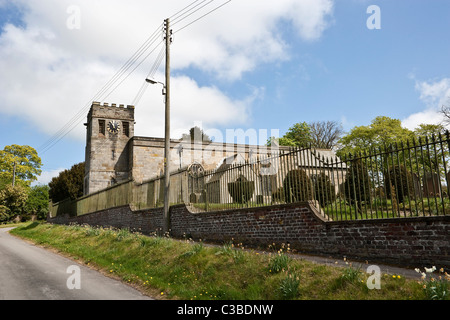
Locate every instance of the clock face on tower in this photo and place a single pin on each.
(113, 127)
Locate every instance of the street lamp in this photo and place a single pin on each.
(166, 220)
(156, 82)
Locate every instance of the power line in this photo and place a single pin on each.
(117, 79)
(208, 13)
(174, 15)
(134, 69)
(108, 85)
(150, 75)
(70, 125)
(187, 14)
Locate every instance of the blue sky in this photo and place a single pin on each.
(288, 61)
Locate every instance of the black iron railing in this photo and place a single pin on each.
(400, 180)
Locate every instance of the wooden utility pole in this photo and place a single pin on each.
(166, 217)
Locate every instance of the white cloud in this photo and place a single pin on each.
(46, 176)
(434, 94)
(428, 116)
(191, 104)
(50, 72)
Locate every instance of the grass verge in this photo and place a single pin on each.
(166, 268)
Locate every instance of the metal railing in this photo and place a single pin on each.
(146, 195)
(400, 180)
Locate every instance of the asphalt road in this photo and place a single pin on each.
(28, 272)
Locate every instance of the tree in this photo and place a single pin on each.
(434, 156)
(68, 184)
(27, 163)
(429, 130)
(325, 134)
(12, 200)
(320, 134)
(38, 200)
(196, 134)
(381, 132)
(299, 135)
(445, 111)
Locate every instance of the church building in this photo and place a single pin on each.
(114, 154)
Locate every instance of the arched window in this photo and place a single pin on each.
(196, 178)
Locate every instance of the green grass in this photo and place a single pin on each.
(383, 208)
(165, 268)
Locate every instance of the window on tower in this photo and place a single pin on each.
(126, 129)
(102, 127)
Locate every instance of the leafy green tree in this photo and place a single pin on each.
(68, 184)
(28, 165)
(381, 132)
(12, 200)
(433, 156)
(429, 130)
(4, 214)
(299, 135)
(320, 134)
(38, 200)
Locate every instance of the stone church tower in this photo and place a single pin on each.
(109, 131)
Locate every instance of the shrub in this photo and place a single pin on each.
(278, 195)
(241, 190)
(297, 186)
(324, 190)
(356, 186)
(401, 181)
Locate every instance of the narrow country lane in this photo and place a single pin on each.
(28, 272)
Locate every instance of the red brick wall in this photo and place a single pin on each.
(412, 242)
(146, 222)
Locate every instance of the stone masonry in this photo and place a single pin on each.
(112, 158)
(106, 155)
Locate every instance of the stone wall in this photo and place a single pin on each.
(412, 242)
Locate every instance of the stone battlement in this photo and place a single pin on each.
(113, 105)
